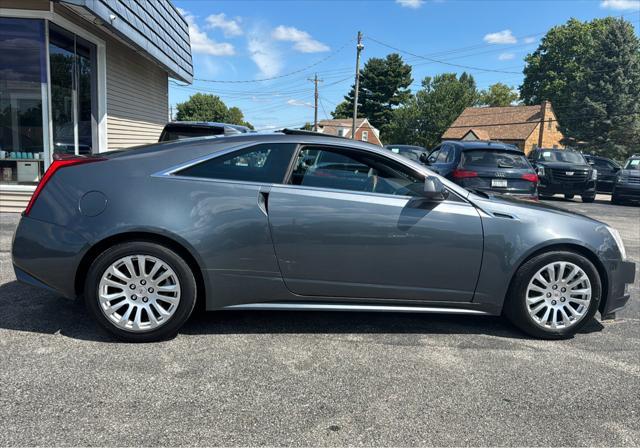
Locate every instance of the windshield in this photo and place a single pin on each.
(562, 156)
(494, 159)
(632, 164)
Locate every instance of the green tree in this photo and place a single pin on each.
(590, 71)
(425, 117)
(498, 94)
(208, 107)
(384, 85)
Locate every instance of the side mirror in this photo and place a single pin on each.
(423, 158)
(434, 189)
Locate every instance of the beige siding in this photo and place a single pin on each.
(14, 202)
(137, 98)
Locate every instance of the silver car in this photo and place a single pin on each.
(300, 221)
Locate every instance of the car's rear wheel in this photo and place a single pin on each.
(140, 291)
(588, 199)
(568, 196)
(553, 295)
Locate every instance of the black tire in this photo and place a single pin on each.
(616, 200)
(182, 270)
(515, 307)
(568, 196)
(588, 199)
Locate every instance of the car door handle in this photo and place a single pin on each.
(263, 202)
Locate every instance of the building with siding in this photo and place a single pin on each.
(80, 77)
(527, 127)
(365, 131)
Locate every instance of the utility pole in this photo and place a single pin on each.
(359, 48)
(315, 81)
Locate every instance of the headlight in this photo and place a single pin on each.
(594, 174)
(618, 239)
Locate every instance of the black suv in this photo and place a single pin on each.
(607, 172)
(564, 171)
(485, 165)
(178, 130)
(627, 187)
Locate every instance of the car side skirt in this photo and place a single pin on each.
(354, 307)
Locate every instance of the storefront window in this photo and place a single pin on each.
(22, 83)
(72, 92)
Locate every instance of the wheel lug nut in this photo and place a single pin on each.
(143, 282)
(563, 289)
(555, 286)
(134, 297)
(150, 290)
(548, 294)
(145, 299)
(132, 286)
(562, 299)
(553, 302)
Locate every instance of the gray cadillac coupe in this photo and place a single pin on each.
(300, 221)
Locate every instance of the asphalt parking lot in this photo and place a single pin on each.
(285, 378)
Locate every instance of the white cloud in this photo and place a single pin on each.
(501, 37)
(413, 4)
(201, 43)
(620, 4)
(229, 27)
(506, 56)
(302, 40)
(529, 40)
(265, 56)
(293, 102)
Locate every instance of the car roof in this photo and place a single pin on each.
(484, 144)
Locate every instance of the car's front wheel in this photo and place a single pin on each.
(553, 295)
(140, 291)
(588, 199)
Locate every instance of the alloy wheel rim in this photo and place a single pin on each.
(558, 295)
(139, 293)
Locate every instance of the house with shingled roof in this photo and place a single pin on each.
(527, 127)
(341, 127)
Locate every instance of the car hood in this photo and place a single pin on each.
(503, 204)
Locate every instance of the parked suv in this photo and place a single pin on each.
(564, 171)
(178, 130)
(485, 165)
(627, 186)
(607, 172)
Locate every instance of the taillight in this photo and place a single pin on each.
(58, 163)
(463, 174)
(530, 177)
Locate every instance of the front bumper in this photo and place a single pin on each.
(627, 191)
(621, 273)
(47, 255)
(580, 188)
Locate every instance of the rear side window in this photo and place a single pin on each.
(266, 163)
(493, 159)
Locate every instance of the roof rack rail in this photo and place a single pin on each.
(288, 131)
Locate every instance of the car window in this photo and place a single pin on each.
(493, 159)
(182, 133)
(260, 163)
(632, 164)
(354, 170)
(561, 156)
(443, 156)
(434, 155)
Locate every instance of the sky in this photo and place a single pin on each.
(260, 55)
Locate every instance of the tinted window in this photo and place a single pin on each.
(261, 163)
(561, 156)
(493, 159)
(434, 155)
(632, 164)
(355, 171)
(443, 155)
